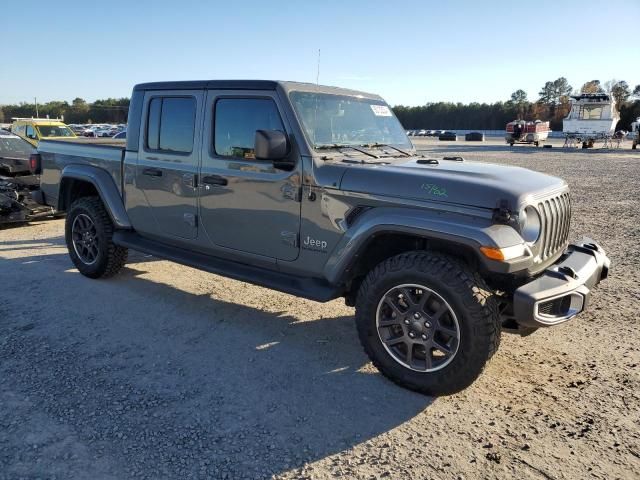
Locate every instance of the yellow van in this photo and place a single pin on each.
(35, 129)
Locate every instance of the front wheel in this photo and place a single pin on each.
(427, 322)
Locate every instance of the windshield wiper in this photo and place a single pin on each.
(378, 145)
(337, 145)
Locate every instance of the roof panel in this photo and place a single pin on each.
(250, 85)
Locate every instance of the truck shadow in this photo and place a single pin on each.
(242, 387)
(25, 249)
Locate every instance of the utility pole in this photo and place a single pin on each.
(36, 102)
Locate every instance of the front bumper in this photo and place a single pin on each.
(563, 290)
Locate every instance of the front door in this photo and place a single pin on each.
(166, 172)
(247, 205)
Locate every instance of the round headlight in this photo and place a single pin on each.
(530, 224)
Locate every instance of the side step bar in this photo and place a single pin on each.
(310, 288)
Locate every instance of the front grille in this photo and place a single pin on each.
(555, 214)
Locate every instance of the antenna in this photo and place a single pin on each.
(315, 112)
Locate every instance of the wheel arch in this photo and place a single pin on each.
(79, 181)
(384, 235)
(390, 243)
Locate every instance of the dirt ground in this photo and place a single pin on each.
(169, 372)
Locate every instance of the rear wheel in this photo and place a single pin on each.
(88, 233)
(427, 322)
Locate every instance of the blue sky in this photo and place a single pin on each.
(410, 52)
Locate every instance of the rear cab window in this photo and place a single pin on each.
(236, 121)
(171, 124)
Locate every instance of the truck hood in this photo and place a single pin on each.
(477, 184)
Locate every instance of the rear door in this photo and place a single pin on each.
(168, 158)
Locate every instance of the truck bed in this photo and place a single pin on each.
(56, 155)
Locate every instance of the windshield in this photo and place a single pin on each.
(14, 147)
(347, 120)
(55, 131)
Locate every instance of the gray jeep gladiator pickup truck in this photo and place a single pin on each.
(317, 192)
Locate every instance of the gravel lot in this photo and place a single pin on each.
(168, 372)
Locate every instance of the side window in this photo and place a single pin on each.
(31, 132)
(171, 124)
(236, 122)
(153, 123)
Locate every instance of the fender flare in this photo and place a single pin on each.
(464, 230)
(104, 185)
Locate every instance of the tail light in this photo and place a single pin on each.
(35, 164)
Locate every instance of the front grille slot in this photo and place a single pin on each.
(555, 214)
(556, 307)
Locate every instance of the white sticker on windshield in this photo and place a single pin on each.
(381, 110)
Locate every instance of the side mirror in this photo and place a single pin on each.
(272, 145)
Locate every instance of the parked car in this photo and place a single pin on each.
(438, 256)
(120, 135)
(98, 131)
(14, 154)
(17, 181)
(89, 131)
(35, 129)
(104, 132)
(474, 137)
(448, 136)
(77, 129)
(421, 133)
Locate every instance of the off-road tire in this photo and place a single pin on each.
(468, 296)
(111, 258)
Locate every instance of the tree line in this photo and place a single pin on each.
(110, 110)
(553, 105)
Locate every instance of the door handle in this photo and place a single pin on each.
(152, 172)
(189, 179)
(214, 180)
